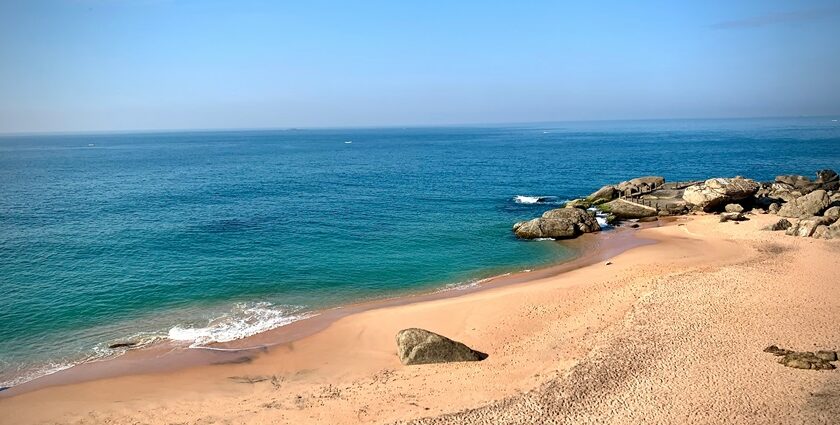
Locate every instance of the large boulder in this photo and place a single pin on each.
(715, 193)
(832, 213)
(559, 223)
(604, 194)
(734, 208)
(806, 205)
(806, 227)
(624, 209)
(419, 346)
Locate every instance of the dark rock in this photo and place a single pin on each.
(419, 346)
(123, 344)
(732, 216)
(773, 208)
(828, 180)
(635, 225)
(800, 184)
(782, 224)
(806, 206)
(715, 193)
(584, 221)
(648, 219)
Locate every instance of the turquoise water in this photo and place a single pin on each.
(203, 236)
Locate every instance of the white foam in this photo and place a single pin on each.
(243, 321)
(520, 199)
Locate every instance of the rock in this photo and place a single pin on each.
(806, 226)
(776, 351)
(608, 263)
(782, 224)
(583, 220)
(624, 209)
(832, 213)
(801, 184)
(805, 360)
(604, 194)
(834, 200)
(648, 219)
(419, 346)
(734, 208)
(122, 345)
(806, 205)
(559, 223)
(732, 216)
(773, 208)
(826, 355)
(640, 185)
(714, 193)
(635, 225)
(828, 180)
(827, 231)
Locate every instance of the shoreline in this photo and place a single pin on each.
(618, 343)
(169, 356)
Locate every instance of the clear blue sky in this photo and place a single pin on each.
(77, 65)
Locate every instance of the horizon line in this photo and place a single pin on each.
(371, 127)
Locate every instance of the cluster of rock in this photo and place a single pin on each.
(813, 360)
(814, 205)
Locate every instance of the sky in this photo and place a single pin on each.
(121, 65)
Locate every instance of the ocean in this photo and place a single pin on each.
(215, 235)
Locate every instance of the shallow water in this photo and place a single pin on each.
(211, 236)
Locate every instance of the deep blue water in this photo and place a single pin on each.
(215, 235)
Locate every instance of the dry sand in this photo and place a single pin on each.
(668, 333)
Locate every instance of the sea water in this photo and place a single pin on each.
(212, 236)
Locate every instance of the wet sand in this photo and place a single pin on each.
(668, 333)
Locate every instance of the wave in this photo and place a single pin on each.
(528, 200)
(246, 319)
(243, 320)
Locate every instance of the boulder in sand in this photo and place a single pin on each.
(782, 224)
(732, 216)
(713, 194)
(806, 205)
(419, 346)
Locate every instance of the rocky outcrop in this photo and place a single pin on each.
(806, 205)
(624, 209)
(559, 223)
(419, 346)
(832, 213)
(713, 194)
(640, 185)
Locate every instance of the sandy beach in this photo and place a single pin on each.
(670, 332)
